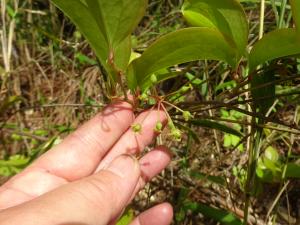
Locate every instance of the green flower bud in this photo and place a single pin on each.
(187, 115)
(144, 97)
(152, 101)
(136, 128)
(77, 35)
(176, 134)
(153, 79)
(158, 127)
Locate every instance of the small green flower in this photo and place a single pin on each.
(136, 128)
(152, 101)
(158, 127)
(187, 115)
(144, 97)
(176, 134)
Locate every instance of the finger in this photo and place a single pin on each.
(158, 215)
(133, 142)
(93, 200)
(151, 165)
(80, 153)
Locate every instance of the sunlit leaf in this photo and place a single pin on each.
(272, 154)
(117, 18)
(80, 15)
(82, 18)
(276, 44)
(122, 54)
(227, 16)
(179, 47)
(13, 165)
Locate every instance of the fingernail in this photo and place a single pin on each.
(124, 165)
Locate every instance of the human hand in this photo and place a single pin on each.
(90, 178)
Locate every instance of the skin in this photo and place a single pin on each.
(91, 176)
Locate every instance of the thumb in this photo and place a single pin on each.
(97, 199)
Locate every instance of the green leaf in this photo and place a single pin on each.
(265, 175)
(227, 140)
(263, 90)
(216, 126)
(13, 165)
(83, 59)
(82, 18)
(15, 161)
(270, 165)
(122, 54)
(126, 218)
(296, 14)
(276, 44)
(181, 46)
(117, 18)
(201, 176)
(80, 15)
(293, 170)
(227, 16)
(271, 154)
(219, 215)
(161, 75)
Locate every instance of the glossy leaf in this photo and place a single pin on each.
(276, 44)
(216, 126)
(117, 18)
(79, 14)
(227, 16)
(122, 54)
(296, 14)
(181, 46)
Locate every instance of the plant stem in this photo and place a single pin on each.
(262, 19)
(275, 11)
(282, 13)
(250, 183)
